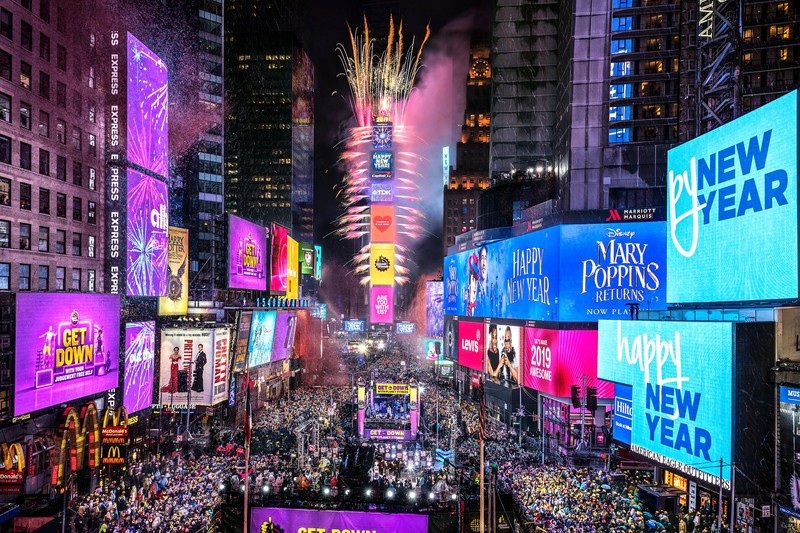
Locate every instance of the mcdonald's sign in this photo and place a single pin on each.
(115, 426)
(76, 435)
(12, 475)
(114, 455)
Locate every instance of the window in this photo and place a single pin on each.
(620, 23)
(783, 54)
(5, 107)
(77, 209)
(25, 115)
(653, 21)
(620, 68)
(25, 196)
(619, 135)
(61, 131)
(90, 247)
(781, 31)
(92, 179)
(91, 212)
(44, 46)
(5, 192)
(61, 58)
(24, 277)
(621, 112)
(5, 149)
(44, 201)
(5, 65)
(782, 9)
(90, 280)
(5, 275)
(77, 102)
(25, 155)
(5, 234)
(619, 4)
(25, 75)
(747, 35)
(92, 112)
(92, 144)
(61, 168)
(91, 77)
(26, 35)
(76, 279)
(621, 46)
(77, 141)
(44, 275)
(61, 241)
(61, 205)
(44, 123)
(61, 273)
(44, 85)
(44, 162)
(44, 10)
(76, 244)
(24, 236)
(6, 24)
(44, 239)
(653, 67)
(61, 94)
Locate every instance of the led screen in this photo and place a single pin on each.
(306, 258)
(515, 278)
(318, 262)
(242, 341)
(176, 302)
(67, 347)
(381, 264)
(262, 335)
(557, 359)
(732, 210)
(191, 362)
(381, 192)
(382, 224)
(789, 442)
(147, 109)
(247, 255)
(285, 327)
(450, 339)
(404, 328)
(353, 326)
(292, 266)
(433, 349)
(623, 413)
(306, 521)
(503, 352)
(279, 247)
(470, 344)
(140, 341)
(222, 348)
(381, 304)
(382, 136)
(147, 235)
(680, 374)
(382, 165)
(606, 266)
(434, 310)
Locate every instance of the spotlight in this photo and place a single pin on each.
(265, 488)
(539, 169)
(368, 493)
(431, 496)
(390, 494)
(222, 486)
(242, 487)
(549, 168)
(454, 496)
(347, 492)
(326, 491)
(412, 495)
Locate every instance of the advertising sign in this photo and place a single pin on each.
(730, 193)
(392, 388)
(503, 352)
(318, 262)
(381, 305)
(279, 260)
(381, 192)
(517, 278)
(381, 264)
(262, 336)
(353, 326)
(623, 414)
(404, 328)
(306, 258)
(140, 342)
(187, 367)
(285, 327)
(114, 454)
(176, 302)
(680, 374)
(606, 266)
(789, 443)
(147, 235)
(247, 261)
(434, 310)
(303, 521)
(382, 165)
(433, 349)
(67, 347)
(470, 344)
(382, 223)
(450, 339)
(222, 350)
(387, 434)
(242, 341)
(382, 136)
(292, 266)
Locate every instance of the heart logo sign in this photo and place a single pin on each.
(382, 223)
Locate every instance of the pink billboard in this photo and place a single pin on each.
(381, 304)
(279, 254)
(470, 344)
(557, 359)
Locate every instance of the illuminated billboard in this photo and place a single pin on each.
(381, 304)
(147, 235)
(194, 366)
(67, 347)
(382, 223)
(450, 339)
(382, 136)
(279, 258)
(247, 255)
(382, 165)
(503, 352)
(433, 349)
(381, 264)
(302, 521)
(242, 340)
(283, 340)
(681, 379)
(606, 266)
(307, 259)
(470, 344)
(262, 336)
(140, 342)
(292, 266)
(318, 262)
(404, 328)
(354, 326)
(434, 310)
(732, 210)
(176, 302)
(381, 192)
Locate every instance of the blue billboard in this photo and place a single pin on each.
(354, 326)
(262, 335)
(515, 278)
(732, 210)
(604, 267)
(681, 380)
(623, 413)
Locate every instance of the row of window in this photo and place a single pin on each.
(26, 162)
(44, 278)
(25, 239)
(43, 125)
(26, 202)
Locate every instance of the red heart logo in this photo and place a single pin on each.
(382, 223)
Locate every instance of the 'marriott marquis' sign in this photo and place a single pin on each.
(732, 210)
(680, 374)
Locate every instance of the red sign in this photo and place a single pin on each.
(476, 380)
(382, 223)
(11, 477)
(115, 434)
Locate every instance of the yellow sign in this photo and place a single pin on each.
(292, 266)
(177, 300)
(381, 264)
(391, 388)
(114, 455)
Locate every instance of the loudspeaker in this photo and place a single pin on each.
(591, 398)
(576, 396)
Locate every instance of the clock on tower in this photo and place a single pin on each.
(479, 68)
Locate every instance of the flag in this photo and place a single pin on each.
(483, 413)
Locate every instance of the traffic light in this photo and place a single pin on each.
(576, 396)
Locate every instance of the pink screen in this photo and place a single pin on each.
(381, 305)
(470, 345)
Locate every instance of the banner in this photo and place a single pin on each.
(266, 519)
(292, 266)
(190, 365)
(382, 223)
(391, 388)
(278, 260)
(176, 302)
(381, 305)
(470, 344)
(222, 350)
(247, 255)
(381, 264)
(503, 352)
(285, 327)
(318, 262)
(307, 259)
(387, 434)
(140, 341)
(433, 349)
(242, 341)
(262, 335)
(450, 339)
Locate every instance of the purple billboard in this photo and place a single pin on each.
(285, 327)
(247, 263)
(147, 235)
(140, 339)
(279, 255)
(147, 108)
(434, 309)
(305, 521)
(67, 347)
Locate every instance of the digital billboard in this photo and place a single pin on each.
(470, 344)
(193, 362)
(307, 521)
(140, 342)
(382, 225)
(382, 136)
(279, 260)
(503, 352)
(450, 339)
(307, 258)
(790, 442)
(222, 350)
(242, 340)
(381, 264)
(434, 310)
(292, 266)
(433, 349)
(604, 267)
(681, 379)
(353, 326)
(285, 328)
(516, 278)
(381, 192)
(404, 328)
(382, 165)
(176, 302)
(554, 360)
(247, 255)
(147, 109)
(381, 304)
(262, 336)
(623, 414)
(732, 210)
(147, 235)
(67, 347)
(318, 262)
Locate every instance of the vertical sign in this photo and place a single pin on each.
(176, 302)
